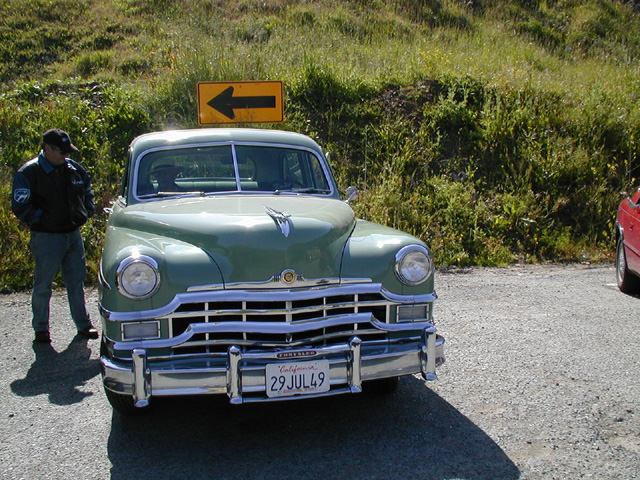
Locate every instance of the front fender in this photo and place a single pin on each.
(371, 253)
(180, 266)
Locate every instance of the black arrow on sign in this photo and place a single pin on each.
(225, 103)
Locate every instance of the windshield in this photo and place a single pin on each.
(229, 168)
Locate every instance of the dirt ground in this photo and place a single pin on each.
(541, 382)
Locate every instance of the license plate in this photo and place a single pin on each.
(297, 378)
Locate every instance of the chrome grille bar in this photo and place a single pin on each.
(207, 323)
(289, 311)
(267, 309)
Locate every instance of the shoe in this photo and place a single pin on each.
(89, 332)
(43, 337)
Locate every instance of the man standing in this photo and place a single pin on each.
(52, 195)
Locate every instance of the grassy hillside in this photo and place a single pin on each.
(497, 131)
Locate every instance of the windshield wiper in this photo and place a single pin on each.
(170, 194)
(310, 190)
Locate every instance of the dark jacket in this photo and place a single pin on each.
(52, 199)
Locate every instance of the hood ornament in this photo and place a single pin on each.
(281, 218)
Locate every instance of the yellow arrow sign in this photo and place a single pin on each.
(240, 102)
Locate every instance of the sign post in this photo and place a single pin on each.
(240, 102)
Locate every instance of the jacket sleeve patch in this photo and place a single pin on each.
(21, 195)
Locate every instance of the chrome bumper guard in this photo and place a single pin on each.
(242, 376)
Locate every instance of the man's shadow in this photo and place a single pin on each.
(59, 374)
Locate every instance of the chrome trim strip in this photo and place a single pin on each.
(273, 328)
(263, 295)
(234, 380)
(354, 367)
(241, 374)
(428, 356)
(350, 281)
(397, 298)
(101, 278)
(141, 378)
(276, 279)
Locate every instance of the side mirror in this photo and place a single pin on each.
(109, 210)
(352, 193)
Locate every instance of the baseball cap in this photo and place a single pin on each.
(60, 139)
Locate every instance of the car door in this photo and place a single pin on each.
(632, 232)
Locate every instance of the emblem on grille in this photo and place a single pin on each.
(288, 276)
(302, 354)
(281, 218)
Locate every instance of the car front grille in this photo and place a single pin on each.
(305, 313)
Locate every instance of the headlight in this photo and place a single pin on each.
(414, 265)
(138, 277)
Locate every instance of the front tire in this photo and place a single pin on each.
(627, 281)
(120, 402)
(123, 404)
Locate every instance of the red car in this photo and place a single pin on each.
(628, 244)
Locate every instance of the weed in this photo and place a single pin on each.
(495, 131)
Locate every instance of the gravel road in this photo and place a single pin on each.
(541, 382)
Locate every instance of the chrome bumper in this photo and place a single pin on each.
(241, 375)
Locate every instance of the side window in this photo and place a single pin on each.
(305, 170)
(293, 169)
(318, 177)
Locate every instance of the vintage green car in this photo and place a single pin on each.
(232, 266)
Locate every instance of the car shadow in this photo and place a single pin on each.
(410, 434)
(59, 374)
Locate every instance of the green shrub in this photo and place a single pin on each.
(496, 132)
(100, 119)
(92, 62)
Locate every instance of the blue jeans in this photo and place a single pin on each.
(53, 252)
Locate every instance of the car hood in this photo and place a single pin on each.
(252, 238)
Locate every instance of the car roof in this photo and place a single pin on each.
(215, 135)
